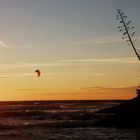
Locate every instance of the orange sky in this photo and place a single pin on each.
(75, 44)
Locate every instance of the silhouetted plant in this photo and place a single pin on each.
(127, 30)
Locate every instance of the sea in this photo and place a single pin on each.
(59, 120)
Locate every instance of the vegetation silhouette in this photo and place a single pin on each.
(127, 114)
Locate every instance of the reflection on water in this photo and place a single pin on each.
(58, 120)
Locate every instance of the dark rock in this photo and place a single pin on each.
(127, 114)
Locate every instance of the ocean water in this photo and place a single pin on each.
(64, 120)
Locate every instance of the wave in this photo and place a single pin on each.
(50, 114)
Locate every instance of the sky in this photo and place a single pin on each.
(74, 43)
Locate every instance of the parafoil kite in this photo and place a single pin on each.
(38, 72)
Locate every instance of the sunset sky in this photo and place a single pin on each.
(75, 44)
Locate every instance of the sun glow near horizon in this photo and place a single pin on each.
(71, 82)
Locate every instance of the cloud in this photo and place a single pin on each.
(129, 60)
(108, 89)
(89, 88)
(110, 60)
(99, 40)
(16, 75)
(26, 46)
(30, 89)
(3, 44)
(111, 91)
(115, 93)
(23, 75)
(23, 65)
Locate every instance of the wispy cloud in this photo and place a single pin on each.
(111, 60)
(22, 75)
(129, 60)
(30, 89)
(23, 65)
(3, 44)
(118, 92)
(99, 40)
(108, 88)
(109, 92)
(16, 75)
(26, 46)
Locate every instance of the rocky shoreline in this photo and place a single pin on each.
(127, 114)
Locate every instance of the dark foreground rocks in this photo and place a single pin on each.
(127, 114)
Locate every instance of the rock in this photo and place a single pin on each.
(127, 114)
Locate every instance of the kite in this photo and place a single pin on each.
(38, 73)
